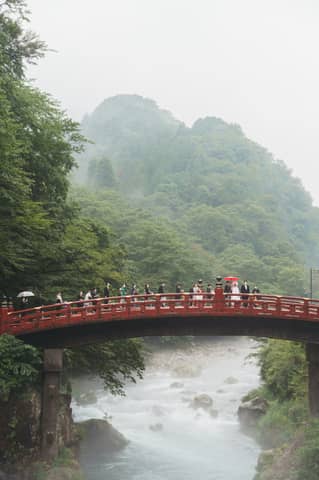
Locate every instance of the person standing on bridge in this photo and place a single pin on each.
(227, 291)
(80, 296)
(107, 292)
(94, 293)
(197, 291)
(246, 290)
(227, 287)
(147, 289)
(178, 289)
(191, 291)
(88, 296)
(161, 289)
(234, 293)
(209, 291)
(134, 291)
(59, 298)
(255, 290)
(123, 292)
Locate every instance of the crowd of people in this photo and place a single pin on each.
(231, 290)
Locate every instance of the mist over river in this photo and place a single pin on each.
(170, 440)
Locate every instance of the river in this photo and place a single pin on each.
(170, 440)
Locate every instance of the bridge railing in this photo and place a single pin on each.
(155, 306)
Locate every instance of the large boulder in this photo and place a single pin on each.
(203, 401)
(156, 427)
(99, 436)
(250, 411)
(231, 380)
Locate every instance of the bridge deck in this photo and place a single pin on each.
(57, 316)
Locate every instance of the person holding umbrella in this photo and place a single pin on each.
(227, 291)
(234, 293)
(24, 298)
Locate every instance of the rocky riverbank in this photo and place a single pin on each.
(20, 439)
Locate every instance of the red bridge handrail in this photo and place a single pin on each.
(18, 322)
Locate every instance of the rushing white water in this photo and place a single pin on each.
(170, 440)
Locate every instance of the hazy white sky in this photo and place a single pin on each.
(251, 62)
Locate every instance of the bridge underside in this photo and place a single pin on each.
(97, 332)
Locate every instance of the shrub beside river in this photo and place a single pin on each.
(276, 414)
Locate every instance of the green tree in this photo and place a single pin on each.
(17, 46)
(36, 149)
(44, 243)
(20, 366)
(101, 174)
(115, 362)
(283, 369)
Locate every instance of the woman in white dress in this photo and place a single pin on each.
(235, 293)
(198, 294)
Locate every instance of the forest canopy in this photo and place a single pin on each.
(222, 200)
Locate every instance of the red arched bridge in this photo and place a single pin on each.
(83, 322)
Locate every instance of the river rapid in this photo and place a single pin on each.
(170, 440)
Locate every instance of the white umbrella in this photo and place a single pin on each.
(25, 294)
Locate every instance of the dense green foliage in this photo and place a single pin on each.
(287, 424)
(284, 375)
(283, 369)
(20, 366)
(101, 174)
(37, 143)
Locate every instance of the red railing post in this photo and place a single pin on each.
(4, 310)
(278, 304)
(128, 306)
(68, 312)
(219, 297)
(158, 303)
(306, 307)
(98, 309)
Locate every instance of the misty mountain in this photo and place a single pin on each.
(223, 191)
(127, 128)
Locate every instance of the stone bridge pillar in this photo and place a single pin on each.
(52, 369)
(312, 351)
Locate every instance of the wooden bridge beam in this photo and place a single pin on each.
(52, 370)
(312, 351)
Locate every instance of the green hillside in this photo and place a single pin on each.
(222, 194)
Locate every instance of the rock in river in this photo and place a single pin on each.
(203, 401)
(251, 411)
(99, 437)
